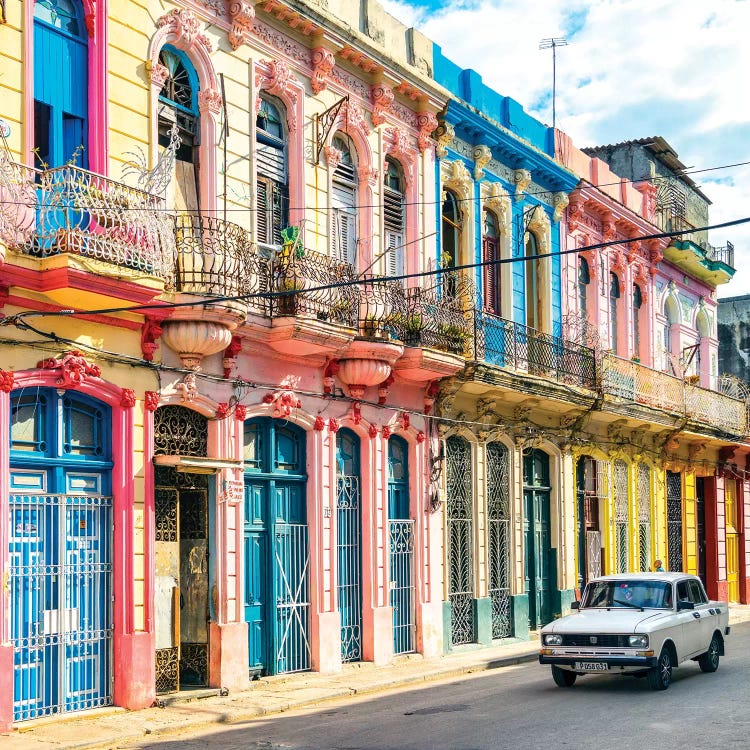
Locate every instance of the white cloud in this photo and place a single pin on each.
(632, 69)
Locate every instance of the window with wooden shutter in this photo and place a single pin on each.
(394, 219)
(343, 205)
(272, 190)
(271, 200)
(491, 269)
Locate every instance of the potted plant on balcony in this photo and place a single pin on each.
(289, 274)
(453, 337)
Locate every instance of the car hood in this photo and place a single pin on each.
(605, 621)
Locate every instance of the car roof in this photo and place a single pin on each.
(645, 577)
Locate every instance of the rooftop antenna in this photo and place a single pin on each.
(553, 43)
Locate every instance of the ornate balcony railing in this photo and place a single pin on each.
(71, 210)
(634, 382)
(723, 254)
(415, 316)
(507, 344)
(214, 257)
(310, 283)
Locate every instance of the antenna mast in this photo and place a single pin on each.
(553, 44)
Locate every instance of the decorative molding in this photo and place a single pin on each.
(560, 202)
(333, 157)
(397, 145)
(210, 100)
(354, 118)
(609, 228)
(7, 379)
(427, 124)
(188, 388)
(319, 424)
(275, 77)
(127, 400)
(496, 199)
(242, 14)
(151, 400)
(381, 95)
(222, 410)
(540, 225)
(74, 369)
(185, 27)
(282, 43)
(89, 16)
(443, 135)
(217, 6)
(372, 431)
(158, 73)
(333, 425)
(521, 179)
(283, 403)
(230, 355)
(240, 412)
(456, 175)
(482, 155)
(323, 63)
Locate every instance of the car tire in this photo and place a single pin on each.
(709, 662)
(563, 677)
(660, 676)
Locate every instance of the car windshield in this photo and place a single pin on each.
(628, 594)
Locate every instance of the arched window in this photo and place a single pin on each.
(637, 304)
(272, 181)
(343, 203)
(671, 316)
(614, 295)
(491, 254)
(533, 301)
(178, 112)
(584, 279)
(450, 237)
(60, 82)
(394, 218)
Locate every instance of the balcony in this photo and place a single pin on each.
(69, 211)
(516, 347)
(630, 381)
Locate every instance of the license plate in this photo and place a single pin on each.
(591, 666)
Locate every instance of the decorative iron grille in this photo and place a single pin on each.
(216, 257)
(349, 519)
(180, 432)
(674, 520)
(402, 595)
(621, 515)
(460, 539)
(593, 554)
(167, 670)
(644, 517)
(498, 515)
(194, 663)
(508, 344)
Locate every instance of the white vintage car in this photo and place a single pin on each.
(643, 624)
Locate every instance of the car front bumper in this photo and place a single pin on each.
(633, 663)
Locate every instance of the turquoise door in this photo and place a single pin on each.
(348, 546)
(401, 546)
(276, 550)
(539, 564)
(60, 553)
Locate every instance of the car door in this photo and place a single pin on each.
(707, 619)
(690, 623)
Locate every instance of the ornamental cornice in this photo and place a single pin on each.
(242, 14)
(185, 27)
(282, 43)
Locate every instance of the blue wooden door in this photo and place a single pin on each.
(348, 546)
(401, 547)
(276, 551)
(60, 81)
(60, 554)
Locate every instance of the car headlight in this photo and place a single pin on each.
(552, 639)
(638, 641)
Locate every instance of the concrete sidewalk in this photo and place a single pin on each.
(115, 727)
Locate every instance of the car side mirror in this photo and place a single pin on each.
(575, 605)
(685, 604)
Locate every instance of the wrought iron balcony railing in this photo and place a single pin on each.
(723, 254)
(517, 347)
(71, 210)
(214, 257)
(632, 381)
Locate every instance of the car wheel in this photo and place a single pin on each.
(563, 677)
(661, 675)
(709, 662)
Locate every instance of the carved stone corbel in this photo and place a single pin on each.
(443, 135)
(521, 179)
(323, 63)
(242, 14)
(381, 95)
(482, 155)
(560, 202)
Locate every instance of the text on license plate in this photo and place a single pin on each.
(591, 666)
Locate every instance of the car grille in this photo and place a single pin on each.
(604, 641)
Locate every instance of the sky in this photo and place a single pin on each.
(631, 69)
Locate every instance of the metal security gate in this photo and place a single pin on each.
(498, 516)
(349, 552)
(292, 565)
(674, 521)
(401, 543)
(460, 539)
(401, 547)
(592, 487)
(644, 518)
(621, 516)
(61, 602)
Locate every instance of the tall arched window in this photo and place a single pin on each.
(614, 295)
(584, 279)
(637, 304)
(178, 108)
(671, 316)
(60, 82)
(394, 218)
(533, 300)
(450, 236)
(491, 254)
(343, 204)
(272, 189)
